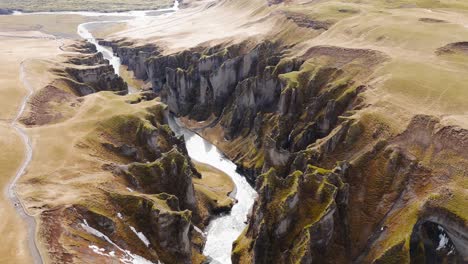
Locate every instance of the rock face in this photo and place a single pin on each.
(200, 83)
(170, 174)
(148, 211)
(90, 73)
(94, 79)
(140, 202)
(334, 185)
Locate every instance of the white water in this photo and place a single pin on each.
(84, 32)
(107, 53)
(224, 230)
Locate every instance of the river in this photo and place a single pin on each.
(223, 230)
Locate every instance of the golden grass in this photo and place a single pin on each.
(12, 227)
(214, 185)
(15, 49)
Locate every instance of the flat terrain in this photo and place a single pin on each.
(15, 49)
(71, 5)
(14, 230)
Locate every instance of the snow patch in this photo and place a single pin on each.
(141, 236)
(127, 256)
(199, 230)
(443, 239)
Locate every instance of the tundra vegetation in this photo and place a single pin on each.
(348, 117)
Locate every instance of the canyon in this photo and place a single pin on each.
(248, 131)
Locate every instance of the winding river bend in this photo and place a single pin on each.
(223, 230)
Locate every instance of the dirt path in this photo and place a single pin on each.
(12, 194)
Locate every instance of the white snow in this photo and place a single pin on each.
(141, 236)
(443, 239)
(199, 230)
(127, 256)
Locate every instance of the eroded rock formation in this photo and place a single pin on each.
(141, 203)
(333, 186)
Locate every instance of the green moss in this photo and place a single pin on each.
(282, 66)
(221, 53)
(241, 248)
(148, 173)
(301, 247)
(318, 169)
(291, 79)
(347, 94)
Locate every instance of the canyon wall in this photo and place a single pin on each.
(335, 183)
(115, 182)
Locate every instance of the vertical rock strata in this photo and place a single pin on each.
(336, 184)
(122, 188)
(151, 194)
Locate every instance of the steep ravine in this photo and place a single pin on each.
(335, 183)
(223, 230)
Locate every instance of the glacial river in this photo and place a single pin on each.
(223, 230)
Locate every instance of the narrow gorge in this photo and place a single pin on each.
(243, 131)
(297, 128)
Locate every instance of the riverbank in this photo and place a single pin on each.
(54, 137)
(223, 230)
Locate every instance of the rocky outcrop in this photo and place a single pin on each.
(87, 80)
(303, 21)
(170, 174)
(145, 205)
(452, 48)
(333, 186)
(439, 236)
(200, 82)
(293, 219)
(89, 72)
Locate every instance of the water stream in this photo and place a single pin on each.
(223, 230)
